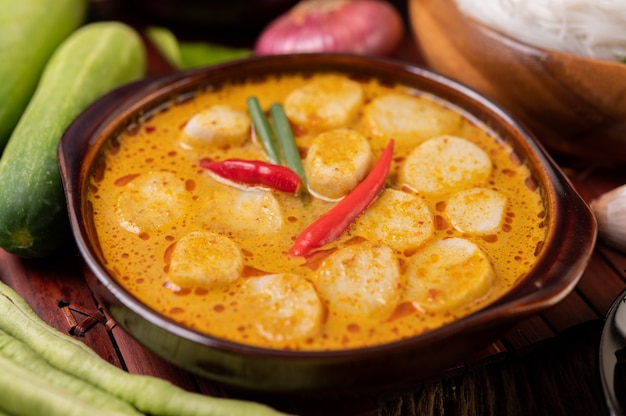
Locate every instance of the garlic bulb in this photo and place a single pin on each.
(610, 212)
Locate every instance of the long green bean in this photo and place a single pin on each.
(25, 393)
(148, 394)
(24, 357)
(20, 310)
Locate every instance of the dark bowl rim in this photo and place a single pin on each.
(503, 311)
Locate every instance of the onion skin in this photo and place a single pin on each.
(366, 27)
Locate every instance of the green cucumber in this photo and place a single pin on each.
(94, 60)
(30, 31)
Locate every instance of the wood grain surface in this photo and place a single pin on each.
(545, 365)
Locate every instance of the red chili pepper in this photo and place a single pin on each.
(255, 172)
(336, 221)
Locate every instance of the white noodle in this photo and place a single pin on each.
(591, 28)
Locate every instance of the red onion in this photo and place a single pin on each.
(368, 27)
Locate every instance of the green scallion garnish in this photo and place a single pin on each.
(286, 141)
(263, 129)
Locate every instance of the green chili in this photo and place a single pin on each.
(263, 129)
(286, 141)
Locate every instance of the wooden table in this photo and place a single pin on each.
(545, 365)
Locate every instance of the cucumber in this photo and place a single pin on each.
(30, 31)
(94, 60)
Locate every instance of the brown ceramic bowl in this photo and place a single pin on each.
(575, 106)
(569, 244)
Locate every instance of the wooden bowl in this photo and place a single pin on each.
(575, 106)
(564, 255)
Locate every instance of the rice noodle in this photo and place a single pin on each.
(591, 28)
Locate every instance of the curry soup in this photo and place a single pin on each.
(457, 223)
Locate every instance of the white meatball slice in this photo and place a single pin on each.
(218, 125)
(408, 118)
(337, 161)
(398, 219)
(448, 274)
(150, 201)
(255, 212)
(476, 210)
(243, 212)
(324, 103)
(361, 279)
(283, 307)
(205, 259)
(445, 164)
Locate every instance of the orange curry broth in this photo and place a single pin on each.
(139, 261)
